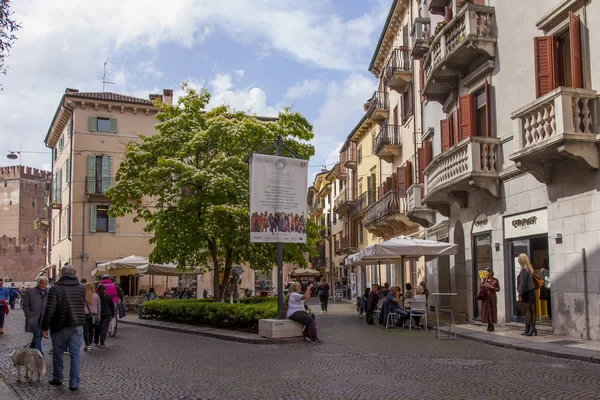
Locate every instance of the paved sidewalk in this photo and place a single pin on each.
(223, 334)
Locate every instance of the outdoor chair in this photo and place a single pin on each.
(417, 309)
(392, 318)
(378, 311)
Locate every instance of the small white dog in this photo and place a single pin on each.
(32, 360)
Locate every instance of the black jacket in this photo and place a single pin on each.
(524, 282)
(65, 305)
(107, 306)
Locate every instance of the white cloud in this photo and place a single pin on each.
(303, 89)
(239, 74)
(221, 83)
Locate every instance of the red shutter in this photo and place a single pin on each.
(456, 130)
(445, 134)
(467, 114)
(401, 176)
(448, 13)
(394, 181)
(422, 164)
(488, 110)
(544, 50)
(389, 183)
(576, 65)
(428, 152)
(408, 171)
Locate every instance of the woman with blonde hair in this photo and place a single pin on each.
(91, 309)
(526, 290)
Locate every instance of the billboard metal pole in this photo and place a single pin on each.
(280, 254)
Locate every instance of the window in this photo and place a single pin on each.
(102, 124)
(68, 172)
(100, 220)
(33, 204)
(54, 153)
(359, 155)
(61, 143)
(563, 50)
(360, 233)
(452, 130)
(373, 141)
(98, 174)
(481, 113)
(407, 103)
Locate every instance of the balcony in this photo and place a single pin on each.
(360, 205)
(416, 210)
(470, 164)
(342, 173)
(559, 126)
(439, 6)
(346, 245)
(388, 142)
(342, 204)
(350, 156)
(468, 37)
(387, 217)
(420, 33)
(56, 200)
(97, 186)
(398, 70)
(325, 190)
(378, 107)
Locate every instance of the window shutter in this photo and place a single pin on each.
(93, 124)
(544, 50)
(369, 189)
(105, 173)
(576, 65)
(408, 175)
(445, 134)
(405, 36)
(111, 224)
(428, 151)
(69, 220)
(54, 195)
(68, 174)
(488, 110)
(113, 125)
(59, 183)
(93, 216)
(402, 183)
(466, 114)
(456, 130)
(91, 174)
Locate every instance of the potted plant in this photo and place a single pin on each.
(461, 3)
(440, 25)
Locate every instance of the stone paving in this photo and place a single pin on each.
(356, 362)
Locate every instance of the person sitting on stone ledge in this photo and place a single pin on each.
(296, 310)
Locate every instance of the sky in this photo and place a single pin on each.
(253, 55)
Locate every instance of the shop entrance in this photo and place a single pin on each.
(536, 247)
(482, 259)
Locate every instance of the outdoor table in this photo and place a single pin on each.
(451, 334)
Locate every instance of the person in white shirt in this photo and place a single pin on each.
(297, 312)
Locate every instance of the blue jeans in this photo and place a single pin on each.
(67, 338)
(36, 340)
(404, 315)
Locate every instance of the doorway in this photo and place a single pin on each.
(536, 248)
(482, 259)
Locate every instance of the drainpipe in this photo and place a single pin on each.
(71, 179)
(82, 233)
(586, 313)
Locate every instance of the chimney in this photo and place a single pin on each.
(69, 91)
(153, 97)
(168, 96)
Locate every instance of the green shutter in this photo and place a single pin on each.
(105, 173)
(54, 153)
(93, 124)
(69, 220)
(113, 125)
(61, 143)
(91, 174)
(68, 175)
(59, 182)
(111, 224)
(93, 215)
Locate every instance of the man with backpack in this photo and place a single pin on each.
(13, 293)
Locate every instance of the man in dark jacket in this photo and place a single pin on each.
(34, 305)
(372, 303)
(64, 316)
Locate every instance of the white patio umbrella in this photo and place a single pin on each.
(163, 270)
(120, 267)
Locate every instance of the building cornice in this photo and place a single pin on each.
(386, 39)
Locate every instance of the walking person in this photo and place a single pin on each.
(107, 313)
(64, 318)
(526, 290)
(489, 304)
(92, 315)
(34, 305)
(4, 300)
(323, 293)
(13, 294)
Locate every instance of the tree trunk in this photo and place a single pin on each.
(226, 273)
(212, 245)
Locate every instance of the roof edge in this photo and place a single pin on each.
(382, 36)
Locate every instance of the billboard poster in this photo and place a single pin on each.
(278, 208)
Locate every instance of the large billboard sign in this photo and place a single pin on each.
(278, 199)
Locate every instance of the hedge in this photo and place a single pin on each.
(209, 312)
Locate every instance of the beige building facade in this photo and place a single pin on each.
(88, 136)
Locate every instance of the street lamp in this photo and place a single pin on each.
(12, 156)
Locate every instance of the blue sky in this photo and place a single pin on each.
(255, 55)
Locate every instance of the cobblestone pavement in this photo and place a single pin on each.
(356, 362)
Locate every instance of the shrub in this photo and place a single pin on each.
(208, 312)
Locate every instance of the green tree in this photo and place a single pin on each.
(8, 27)
(189, 183)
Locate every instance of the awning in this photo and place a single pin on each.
(44, 270)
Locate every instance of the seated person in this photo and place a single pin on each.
(393, 300)
(296, 310)
(408, 294)
(420, 296)
(372, 301)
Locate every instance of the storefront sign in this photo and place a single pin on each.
(353, 285)
(337, 294)
(278, 199)
(526, 224)
(481, 224)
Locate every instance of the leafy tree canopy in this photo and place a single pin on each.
(189, 183)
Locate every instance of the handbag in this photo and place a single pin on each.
(95, 318)
(538, 281)
(482, 293)
(544, 293)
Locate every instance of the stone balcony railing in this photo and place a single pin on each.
(420, 33)
(472, 163)
(387, 216)
(415, 209)
(463, 40)
(563, 124)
